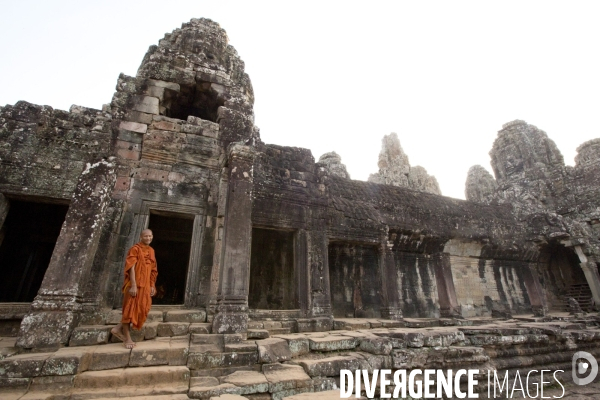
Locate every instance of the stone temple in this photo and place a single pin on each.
(264, 254)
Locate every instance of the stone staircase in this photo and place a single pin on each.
(580, 292)
(177, 357)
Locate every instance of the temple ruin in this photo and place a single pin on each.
(253, 237)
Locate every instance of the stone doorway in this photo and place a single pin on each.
(27, 240)
(172, 243)
(355, 281)
(272, 273)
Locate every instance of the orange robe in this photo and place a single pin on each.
(136, 309)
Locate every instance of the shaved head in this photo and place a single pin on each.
(146, 236)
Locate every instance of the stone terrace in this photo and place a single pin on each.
(177, 357)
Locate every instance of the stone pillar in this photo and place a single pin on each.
(218, 250)
(56, 309)
(318, 261)
(389, 283)
(234, 274)
(449, 307)
(302, 271)
(534, 291)
(4, 207)
(590, 269)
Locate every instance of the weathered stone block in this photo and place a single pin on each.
(133, 126)
(173, 328)
(298, 344)
(332, 343)
(24, 365)
(201, 328)
(376, 345)
(258, 334)
(241, 347)
(410, 358)
(191, 129)
(60, 383)
(140, 377)
(15, 383)
(330, 366)
(249, 382)
(145, 104)
(273, 350)
(208, 392)
(150, 330)
(68, 361)
(109, 356)
(219, 360)
(214, 339)
(191, 316)
(89, 335)
(163, 84)
(155, 352)
(285, 377)
(139, 117)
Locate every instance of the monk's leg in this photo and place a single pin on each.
(128, 342)
(118, 331)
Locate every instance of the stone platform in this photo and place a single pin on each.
(186, 361)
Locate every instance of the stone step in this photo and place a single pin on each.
(123, 382)
(277, 381)
(279, 331)
(90, 335)
(191, 316)
(297, 342)
(325, 395)
(53, 395)
(332, 343)
(114, 317)
(330, 366)
(258, 334)
(204, 360)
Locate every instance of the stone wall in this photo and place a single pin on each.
(44, 151)
(559, 204)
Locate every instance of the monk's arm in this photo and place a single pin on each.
(153, 276)
(133, 287)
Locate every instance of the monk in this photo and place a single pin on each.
(138, 288)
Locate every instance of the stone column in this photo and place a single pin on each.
(391, 299)
(4, 207)
(302, 271)
(449, 307)
(318, 261)
(234, 274)
(590, 269)
(218, 250)
(56, 309)
(534, 291)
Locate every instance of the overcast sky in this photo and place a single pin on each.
(339, 75)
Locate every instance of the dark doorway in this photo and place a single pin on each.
(172, 242)
(30, 234)
(272, 279)
(355, 281)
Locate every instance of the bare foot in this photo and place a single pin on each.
(118, 333)
(129, 344)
